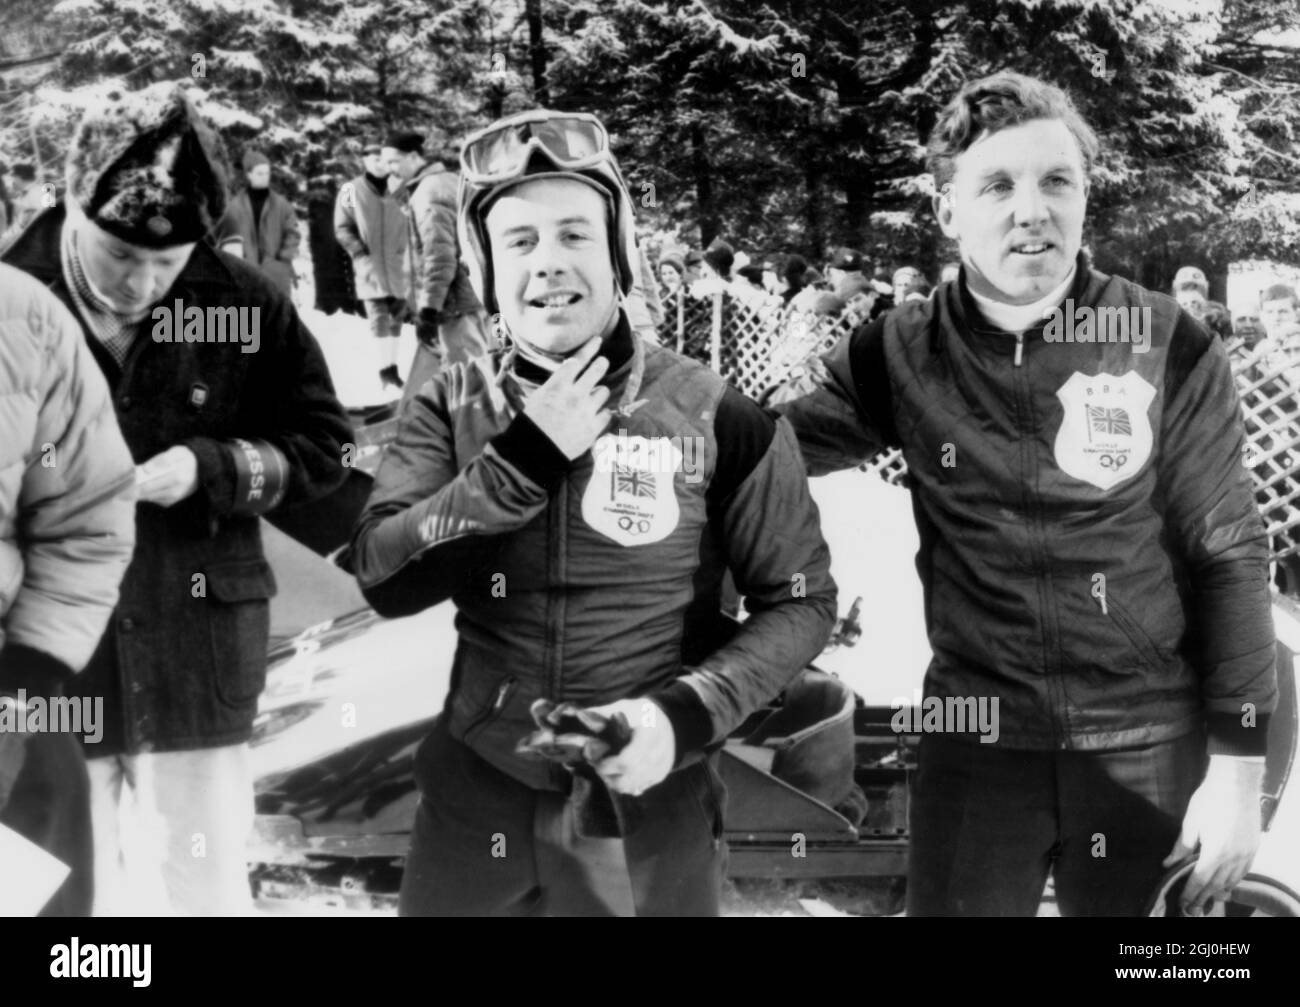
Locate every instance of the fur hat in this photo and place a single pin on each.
(148, 169)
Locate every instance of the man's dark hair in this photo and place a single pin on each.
(1278, 292)
(999, 102)
(721, 256)
(793, 273)
(406, 142)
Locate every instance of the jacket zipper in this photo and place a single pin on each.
(556, 515)
(1029, 494)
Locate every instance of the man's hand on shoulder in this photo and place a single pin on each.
(1223, 821)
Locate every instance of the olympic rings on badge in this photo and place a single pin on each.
(1114, 461)
(627, 524)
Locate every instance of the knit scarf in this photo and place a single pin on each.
(114, 330)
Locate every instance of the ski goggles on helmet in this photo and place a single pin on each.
(500, 153)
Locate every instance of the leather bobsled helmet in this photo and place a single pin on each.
(534, 145)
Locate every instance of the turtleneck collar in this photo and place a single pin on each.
(1020, 317)
(534, 366)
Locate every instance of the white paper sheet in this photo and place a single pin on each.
(29, 876)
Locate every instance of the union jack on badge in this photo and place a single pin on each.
(1105, 436)
(631, 497)
(1109, 421)
(633, 482)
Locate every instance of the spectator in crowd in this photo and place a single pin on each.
(672, 270)
(747, 288)
(67, 526)
(370, 224)
(1190, 277)
(773, 268)
(793, 278)
(828, 304)
(916, 289)
(1216, 319)
(1118, 612)
(226, 428)
(845, 272)
(331, 267)
(718, 260)
(751, 277)
(499, 474)
(863, 301)
(814, 285)
(1191, 299)
(450, 325)
(901, 279)
(694, 265)
(264, 224)
(1277, 310)
(1248, 327)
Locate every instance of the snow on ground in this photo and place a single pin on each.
(353, 357)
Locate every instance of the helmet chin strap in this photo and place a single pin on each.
(547, 360)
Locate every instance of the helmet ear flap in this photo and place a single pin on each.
(473, 245)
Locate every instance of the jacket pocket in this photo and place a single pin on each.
(239, 626)
(1151, 655)
(500, 697)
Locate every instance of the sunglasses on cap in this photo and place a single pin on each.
(573, 140)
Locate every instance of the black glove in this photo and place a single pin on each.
(577, 739)
(430, 316)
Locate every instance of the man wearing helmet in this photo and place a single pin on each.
(578, 496)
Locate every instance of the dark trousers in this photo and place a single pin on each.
(50, 806)
(486, 845)
(988, 823)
